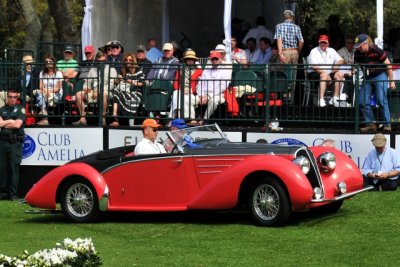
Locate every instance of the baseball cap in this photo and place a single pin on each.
(89, 49)
(216, 54)
(361, 38)
(167, 46)
(69, 48)
(179, 123)
(140, 48)
(150, 123)
(379, 140)
(288, 12)
(323, 38)
(220, 47)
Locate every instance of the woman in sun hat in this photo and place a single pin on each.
(186, 79)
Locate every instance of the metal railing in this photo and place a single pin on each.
(253, 97)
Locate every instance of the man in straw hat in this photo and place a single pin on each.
(149, 144)
(29, 79)
(382, 165)
(186, 79)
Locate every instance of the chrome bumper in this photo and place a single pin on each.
(344, 196)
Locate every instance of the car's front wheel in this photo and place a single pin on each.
(269, 203)
(79, 201)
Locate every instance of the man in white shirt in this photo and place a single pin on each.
(327, 71)
(149, 144)
(212, 84)
(252, 52)
(259, 31)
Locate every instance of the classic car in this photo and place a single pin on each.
(202, 170)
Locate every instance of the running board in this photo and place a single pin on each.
(42, 211)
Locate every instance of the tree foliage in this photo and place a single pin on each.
(26, 22)
(356, 16)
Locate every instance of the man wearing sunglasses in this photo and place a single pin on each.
(12, 118)
(149, 144)
(115, 54)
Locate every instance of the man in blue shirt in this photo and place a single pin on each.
(382, 165)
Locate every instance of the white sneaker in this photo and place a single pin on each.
(322, 103)
(334, 101)
(342, 97)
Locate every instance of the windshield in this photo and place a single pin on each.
(194, 137)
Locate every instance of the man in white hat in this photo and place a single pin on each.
(382, 165)
(164, 68)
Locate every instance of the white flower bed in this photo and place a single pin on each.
(79, 252)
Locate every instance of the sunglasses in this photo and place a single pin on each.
(154, 130)
(12, 97)
(48, 61)
(114, 46)
(214, 59)
(68, 52)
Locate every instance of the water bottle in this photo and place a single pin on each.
(151, 115)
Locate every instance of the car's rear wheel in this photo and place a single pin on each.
(328, 208)
(269, 203)
(79, 201)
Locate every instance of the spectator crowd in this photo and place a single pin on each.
(171, 83)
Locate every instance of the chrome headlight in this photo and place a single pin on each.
(327, 161)
(303, 163)
(342, 186)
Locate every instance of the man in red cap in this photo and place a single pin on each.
(213, 83)
(85, 66)
(325, 63)
(149, 144)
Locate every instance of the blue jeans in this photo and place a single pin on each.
(380, 83)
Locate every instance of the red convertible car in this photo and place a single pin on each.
(203, 170)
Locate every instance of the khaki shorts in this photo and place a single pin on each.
(3, 98)
(92, 95)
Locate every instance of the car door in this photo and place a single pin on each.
(156, 182)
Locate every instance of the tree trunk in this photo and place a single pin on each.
(63, 18)
(33, 25)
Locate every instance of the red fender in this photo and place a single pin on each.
(223, 190)
(43, 193)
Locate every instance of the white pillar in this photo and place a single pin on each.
(227, 27)
(379, 23)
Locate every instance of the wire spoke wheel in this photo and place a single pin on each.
(269, 202)
(79, 201)
(266, 202)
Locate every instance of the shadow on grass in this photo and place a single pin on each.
(233, 217)
(189, 217)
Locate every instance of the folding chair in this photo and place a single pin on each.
(157, 96)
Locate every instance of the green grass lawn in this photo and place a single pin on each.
(365, 232)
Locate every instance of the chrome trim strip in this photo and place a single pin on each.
(208, 172)
(213, 166)
(344, 196)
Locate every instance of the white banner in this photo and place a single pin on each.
(56, 146)
(355, 146)
(87, 26)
